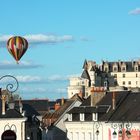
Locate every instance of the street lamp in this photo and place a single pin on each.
(10, 87)
(121, 127)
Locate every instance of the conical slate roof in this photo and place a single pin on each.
(85, 75)
(85, 65)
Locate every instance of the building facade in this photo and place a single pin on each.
(115, 117)
(107, 74)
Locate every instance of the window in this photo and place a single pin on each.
(86, 94)
(89, 136)
(123, 75)
(81, 116)
(136, 75)
(136, 82)
(70, 136)
(77, 136)
(115, 69)
(123, 83)
(106, 69)
(83, 136)
(115, 75)
(136, 68)
(129, 82)
(123, 68)
(70, 117)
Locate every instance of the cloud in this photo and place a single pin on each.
(29, 79)
(34, 90)
(83, 38)
(41, 38)
(43, 90)
(57, 78)
(135, 11)
(6, 65)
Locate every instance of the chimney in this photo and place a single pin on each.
(113, 101)
(80, 94)
(11, 103)
(3, 104)
(62, 101)
(92, 97)
(20, 106)
(97, 93)
(57, 106)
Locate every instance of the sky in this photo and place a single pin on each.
(61, 35)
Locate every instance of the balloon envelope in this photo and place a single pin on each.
(17, 46)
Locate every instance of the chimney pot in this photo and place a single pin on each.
(113, 101)
(3, 104)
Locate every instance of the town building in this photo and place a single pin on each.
(18, 121)
(115, 117)
(53, 122)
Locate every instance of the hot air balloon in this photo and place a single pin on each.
(17, 46)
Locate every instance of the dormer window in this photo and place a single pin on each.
(123, 68)
(95, 116)
(106, 69)
(70, 117)
(82, 117)
(115, 69)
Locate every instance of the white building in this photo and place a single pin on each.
(111, 74)
(12, 122)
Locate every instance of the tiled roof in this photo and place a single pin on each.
(60, 111)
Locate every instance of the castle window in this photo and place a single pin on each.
(123, 75)
(106, 69)
(136, 68)
(123, 68)
(129, 82)
(136, 75)
(123, 83)
(115, 75)
(115, 69)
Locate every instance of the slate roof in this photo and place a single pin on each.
(10, 113)
(85, 75)
(36, 106)
(85, 64)
(89, 109)
(129, 65)
(127, 108)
